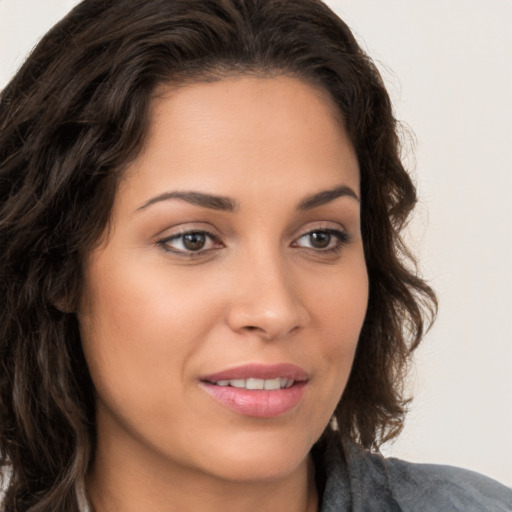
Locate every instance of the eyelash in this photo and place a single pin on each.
(342, 239)
(164, 243)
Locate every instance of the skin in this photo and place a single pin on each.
(155, 316)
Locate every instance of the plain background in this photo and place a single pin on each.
(448, 67)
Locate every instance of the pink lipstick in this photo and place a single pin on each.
(258, 390)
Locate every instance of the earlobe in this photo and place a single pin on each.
(64, 305)
(64, 302)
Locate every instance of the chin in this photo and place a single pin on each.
(258, 469)
(263, 457)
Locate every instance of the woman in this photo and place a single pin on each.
(207, 304)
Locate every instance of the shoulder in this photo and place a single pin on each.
(445, 488)
(358, 480)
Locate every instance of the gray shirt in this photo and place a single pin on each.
(354, 480)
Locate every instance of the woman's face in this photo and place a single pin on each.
(234, 261)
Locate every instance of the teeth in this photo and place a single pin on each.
(254, 383)
(272, 383)
(251, 383)
(237, 383)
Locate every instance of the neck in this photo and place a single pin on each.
(131, 481)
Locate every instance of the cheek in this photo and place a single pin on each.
(341, 305)
(118, 321)
(136, 320)
(340, 314)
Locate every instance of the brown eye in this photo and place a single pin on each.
(190, 242)
(194, 241)
(320, 239)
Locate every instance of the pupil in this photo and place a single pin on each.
(194, 241)
(320, 239)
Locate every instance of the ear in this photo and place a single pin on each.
(63, 301)
(63, 305)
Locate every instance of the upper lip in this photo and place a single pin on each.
(260, 371)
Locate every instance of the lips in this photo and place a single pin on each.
(262, 391)
(253, 383)
(260, 371)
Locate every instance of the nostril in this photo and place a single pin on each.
(268, 319)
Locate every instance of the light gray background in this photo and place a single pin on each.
(448, 66)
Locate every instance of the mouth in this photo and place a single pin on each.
(254, 376)
(261, 391)
(254, 383)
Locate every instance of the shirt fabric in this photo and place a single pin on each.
(354, 480)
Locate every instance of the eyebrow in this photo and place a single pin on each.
(326, 196)
(196, 198)
(223, 203)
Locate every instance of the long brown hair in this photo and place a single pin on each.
(71, 119)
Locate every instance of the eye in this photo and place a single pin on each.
(190, 242)
(323, 240)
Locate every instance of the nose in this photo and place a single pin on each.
(266, 301)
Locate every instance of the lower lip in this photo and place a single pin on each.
(257, 403)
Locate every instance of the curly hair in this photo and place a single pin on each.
(72, 118)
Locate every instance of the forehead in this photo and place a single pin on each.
(246, 130)
(271, 90)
